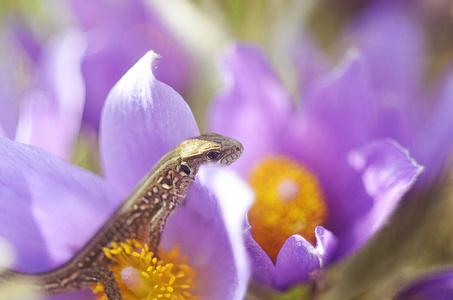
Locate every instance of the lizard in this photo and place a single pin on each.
(141, 216)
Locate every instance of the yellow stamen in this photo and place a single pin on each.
(289, 201)
(142, 276)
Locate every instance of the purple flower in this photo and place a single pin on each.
(319, 170)
(327, 159)
(118, 34)
(50, 209)
(437, 286)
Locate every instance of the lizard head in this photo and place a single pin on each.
(208, 148)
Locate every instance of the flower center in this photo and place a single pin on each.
(289, 201)
(142, 276)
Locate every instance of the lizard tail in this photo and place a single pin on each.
(53, 282)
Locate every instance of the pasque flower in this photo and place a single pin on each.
(50, 209)
(318, 175)
(323, 168)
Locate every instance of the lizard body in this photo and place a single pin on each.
(142, 216)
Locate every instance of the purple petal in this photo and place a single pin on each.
(310, 62)
(9, 107)
(2, 132)
(253, 107)
(433, 145)
(28, 42)
(295, 261)
(298, 258)
(341, 103)
(7, 254)
(142, 120)
(339, 115)
(119, 34)
(387, 173)
(10, 89)
(209, 229)
(437, 286)
(396, 122)
(48, 208)
(326, 244)
(92, 14)
(392, 41)
(51, 114)
(263, 269)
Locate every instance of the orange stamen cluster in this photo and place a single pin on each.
(289, 201)
(143, 276)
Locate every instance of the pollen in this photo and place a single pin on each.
(143, 276)
(289, 200)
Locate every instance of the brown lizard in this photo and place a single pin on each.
(142, 216)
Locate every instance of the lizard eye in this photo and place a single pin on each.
(185, 169)
(213, 155)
